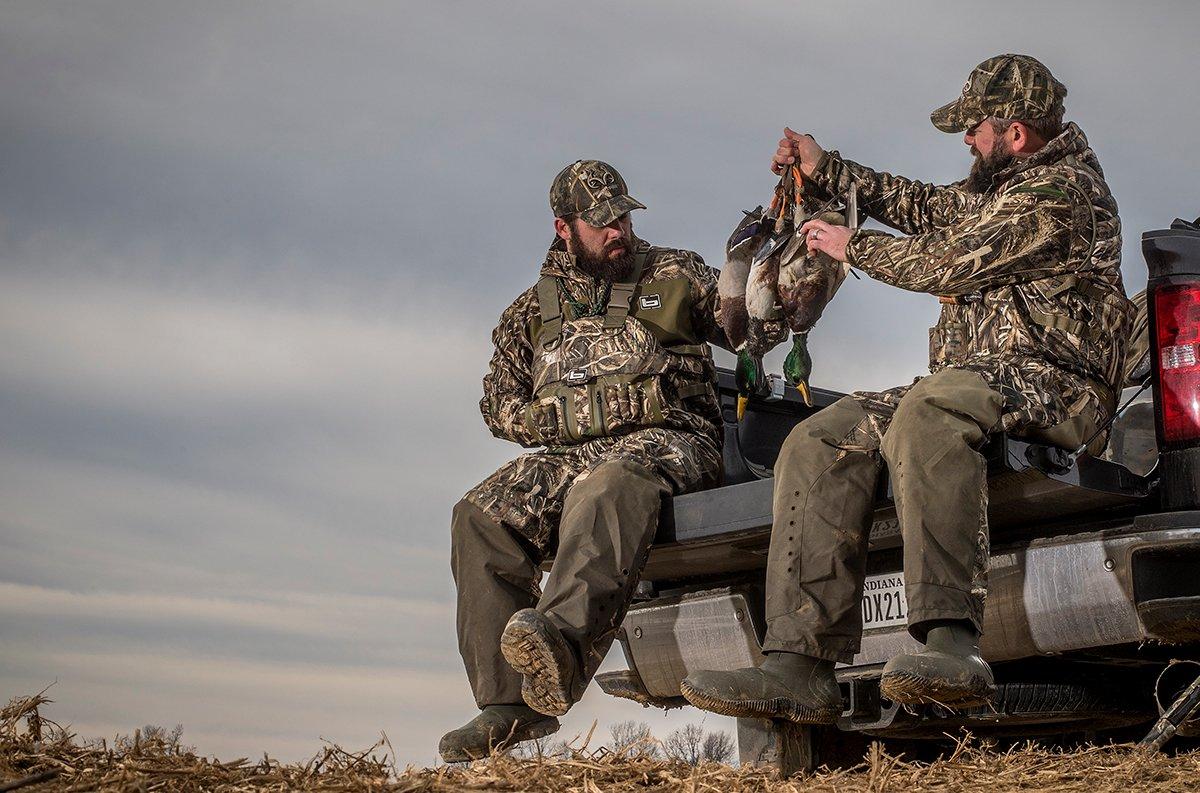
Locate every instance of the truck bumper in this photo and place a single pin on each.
(1124, 585)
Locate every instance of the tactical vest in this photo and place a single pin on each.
(618, 371)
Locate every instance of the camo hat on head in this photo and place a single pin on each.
(1007, 86)
(593, 190)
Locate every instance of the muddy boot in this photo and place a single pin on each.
(534, 646)
(788, 686)
(949, 671)
(496, 727)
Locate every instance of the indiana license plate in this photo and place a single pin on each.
(884, 604)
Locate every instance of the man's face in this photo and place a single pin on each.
(993, 153)
(606, 243)
(603, 252)
(982, 139)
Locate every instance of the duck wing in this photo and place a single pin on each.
(731, 283)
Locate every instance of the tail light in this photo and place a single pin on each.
(1177, 341)
(1173, 302)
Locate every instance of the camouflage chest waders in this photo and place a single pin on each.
(608, 394)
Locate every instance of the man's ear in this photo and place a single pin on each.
(562, 228)
(1024, 140)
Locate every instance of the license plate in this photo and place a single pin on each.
(883, 603)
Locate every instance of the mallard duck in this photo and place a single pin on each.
(806, 283)
(733, 315)
(797, 366)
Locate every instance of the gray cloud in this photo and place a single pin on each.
(250, 255)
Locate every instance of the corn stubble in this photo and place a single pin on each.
(36, 754)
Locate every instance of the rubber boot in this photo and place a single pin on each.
(535, 647)
(949, 671)
(496, 727)
(790, 686)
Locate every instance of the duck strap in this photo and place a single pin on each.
(1084, 286)
(620, 295)
(1058, 322)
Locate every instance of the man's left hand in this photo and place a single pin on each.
(829, 239)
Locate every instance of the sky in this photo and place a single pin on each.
(251, 255)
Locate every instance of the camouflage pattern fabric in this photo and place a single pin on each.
(526, 495)
(592, 190)
(1137, 358)
(1029, 275)
(1007, 87)
(683, 446)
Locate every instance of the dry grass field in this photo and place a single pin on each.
(38, 755)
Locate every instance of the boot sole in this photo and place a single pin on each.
(777, 708)
(909, 689)
(544, 663)
(533, 731)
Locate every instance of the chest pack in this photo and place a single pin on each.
(630, 389)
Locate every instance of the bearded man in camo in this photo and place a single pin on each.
(1024, 255)
(605, 363)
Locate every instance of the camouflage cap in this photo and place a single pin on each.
(1006, 86)
(593, 190)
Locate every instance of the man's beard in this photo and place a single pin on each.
(606, 268)
(979, 180)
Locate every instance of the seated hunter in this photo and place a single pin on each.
(1024, 255)
(605, 363)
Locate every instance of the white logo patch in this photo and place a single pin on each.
(650, 301)
(575, 375)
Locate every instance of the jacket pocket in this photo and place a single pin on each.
(549, 419)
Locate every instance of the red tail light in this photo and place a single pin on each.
(1177, 321)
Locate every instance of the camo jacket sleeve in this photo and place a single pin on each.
(508, 385)
(1020, 235)
(906, 205)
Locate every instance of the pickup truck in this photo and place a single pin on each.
(1092, 620)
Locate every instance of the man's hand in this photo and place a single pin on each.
(795, 147)
(826, 238)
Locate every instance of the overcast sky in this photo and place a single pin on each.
(250, 255)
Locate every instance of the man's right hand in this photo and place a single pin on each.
(794, 147)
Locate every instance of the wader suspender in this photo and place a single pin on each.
(620, 297)
(551, 308)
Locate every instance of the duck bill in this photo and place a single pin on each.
(741, 406)
(802, 387)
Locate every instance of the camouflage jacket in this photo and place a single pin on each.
(674, 383)
(1028, 273)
